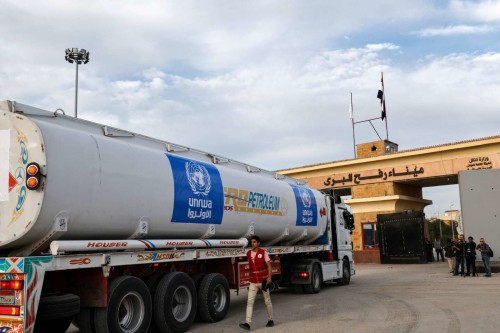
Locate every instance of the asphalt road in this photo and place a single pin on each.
(380, 298)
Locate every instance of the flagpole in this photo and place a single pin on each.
(351, 110)
(385, 111)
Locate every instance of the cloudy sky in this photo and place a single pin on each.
(264, 82)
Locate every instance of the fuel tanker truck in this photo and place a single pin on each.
(119, 232)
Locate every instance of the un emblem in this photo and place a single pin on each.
(306, 198)
(198, 177)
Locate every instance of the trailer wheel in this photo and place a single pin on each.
(55, 312)
(213, 298)
(346, 273)
(175, 303)
(128, 310)
(315, 286)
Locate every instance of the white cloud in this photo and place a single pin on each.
(383, 46)
(482, 10)
(455, 30)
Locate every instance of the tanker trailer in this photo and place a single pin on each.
(87, 209)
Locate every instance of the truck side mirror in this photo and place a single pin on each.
(338, 199)
(349, 220)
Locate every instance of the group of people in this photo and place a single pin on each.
(461, 255)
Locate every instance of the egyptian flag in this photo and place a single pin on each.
(381, 96)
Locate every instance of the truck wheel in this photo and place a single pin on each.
(55, 312)
(128, 310)
(315, 286)
(346, 273)
(175, 303)
(213, 298)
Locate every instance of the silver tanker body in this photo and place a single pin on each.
(102, 183)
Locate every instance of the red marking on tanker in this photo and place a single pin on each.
(147, 244)
(322, 212)
(12, 182)
(82, 261)
(107, 244)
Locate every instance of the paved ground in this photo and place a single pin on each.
(380, 298)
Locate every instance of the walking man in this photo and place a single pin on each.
(260, 267)
(484, 248)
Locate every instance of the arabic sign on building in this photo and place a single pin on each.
(358, 178)
(410, 172)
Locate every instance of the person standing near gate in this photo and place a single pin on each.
(448, 253)
(484, 248)
(438, 248)
(459, 248)
(470, 256)
(260, 267)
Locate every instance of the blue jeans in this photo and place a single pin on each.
(459, 262)
(486, 263)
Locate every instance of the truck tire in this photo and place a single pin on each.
(315, 286)
(129, 307)
(55, 312)
(213, 298)
(346, 273)
(175, 303)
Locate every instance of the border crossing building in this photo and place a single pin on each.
(383, 180)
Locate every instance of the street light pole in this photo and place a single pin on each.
(452, 224)
(78, 57)
(440, 230)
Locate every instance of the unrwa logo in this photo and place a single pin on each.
(306, 198)
(198, 178)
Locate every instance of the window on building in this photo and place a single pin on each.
(370, 236)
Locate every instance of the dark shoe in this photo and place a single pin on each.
(488, 275)
(455, 274)
(245, 326)
(270, 323)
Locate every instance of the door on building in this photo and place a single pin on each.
(402, 238)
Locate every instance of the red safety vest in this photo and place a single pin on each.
(258, 266)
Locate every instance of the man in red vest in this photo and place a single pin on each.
(260, 267)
